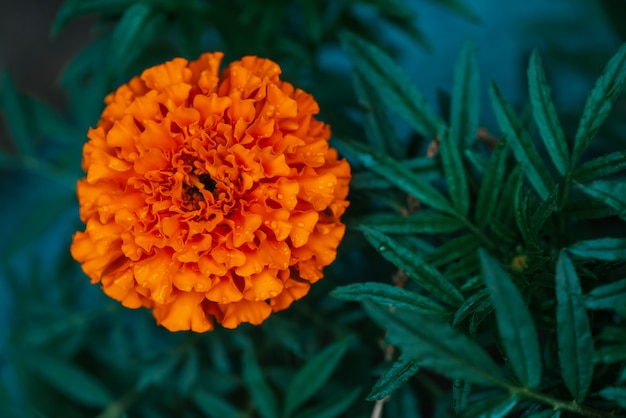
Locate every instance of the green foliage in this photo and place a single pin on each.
(483, 279)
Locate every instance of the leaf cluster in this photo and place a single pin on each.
(512, 283)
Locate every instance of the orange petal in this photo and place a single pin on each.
(224, 290)
(184, 313)
(265, 285)
(244, 311)
(303, 225)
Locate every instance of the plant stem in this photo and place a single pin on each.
(559, 403)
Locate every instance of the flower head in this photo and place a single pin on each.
(209, 196)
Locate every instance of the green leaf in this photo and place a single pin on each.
(129, 36)
(609, 354)
(313, 375)
(426, 168)
(523, 148)
(478, 302)
(334, 406)
(396, 376)
(460, 7)
(456, 248)
(615, 394)
(65, 377)
(598, 106)
(391, 84)
(465, 105)
(15, 116)
(189, 371)
(600, 167)
(213, 405)
(398, 175)
(608, 296)
(491, 184)
(545, 115)
(460, 394)
(157, 371)
(505, 209)
(415, 268)
(588, 209)
(573, 331)
(546, 413)
(391, 296)
(495, 406)
(609, 249)
(72, 9)
(543, 211)
(258, 387)
(515, 324)
(611, 193)
(422, 222)
(437, 346)
(454, 172)
(378, 128)
(521, 216)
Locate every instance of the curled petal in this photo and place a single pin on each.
(209, 196)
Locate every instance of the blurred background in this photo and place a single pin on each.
(57, 64)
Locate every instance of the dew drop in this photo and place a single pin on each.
(382, 248)
(300, 224)
(280, 196)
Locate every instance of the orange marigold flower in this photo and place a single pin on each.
(209, 196)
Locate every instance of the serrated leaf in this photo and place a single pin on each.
(611, 193)
(523, 148)
(258, 387)
(391, 84)
(454, 172)
(491, 184)
(65, 377)
(545, 115)
(476, 159)
(422, 222)
(397, 175)
(465, 105)
(128, 36)
(588, 209)
(391, 296)
(426, 168)
(453, 249)
(467, 266)
(332, 407)
(378, 128)
(213, 405)
(600, 167)
(313, 375)
(573, 331)
(460, 394)
(16, 118)
(515, 324)
(521, 216)
(478, 302)
(495, 406)
(598, 106)
(543, 211)
(504, 213)
(437, 346)
(608, 296)
(609, 354)
(394, 377)
(608, 249)
(615, 394)
(414, 267)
